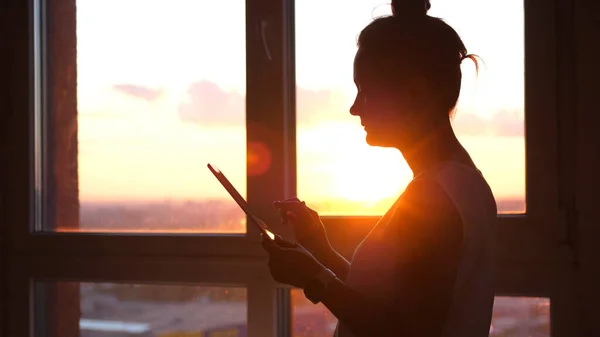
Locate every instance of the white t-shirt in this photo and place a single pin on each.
(471, 308)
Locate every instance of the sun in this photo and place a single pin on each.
(373, 175)
(347, 176)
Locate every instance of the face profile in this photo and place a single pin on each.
(384, 111)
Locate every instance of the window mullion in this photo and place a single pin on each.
(271, 149)
(284, 305)
(262, 308)
(284, 312)
(541, 119)
(269, 116)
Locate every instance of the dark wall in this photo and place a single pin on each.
(587, 168)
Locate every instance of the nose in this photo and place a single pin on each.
(356, 108)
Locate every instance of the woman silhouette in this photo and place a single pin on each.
(425, 268)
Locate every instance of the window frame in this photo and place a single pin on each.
(531, 249)
(541, 172)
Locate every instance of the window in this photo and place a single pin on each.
(512, 317)
(108, 309)
(148, 105)
(127, 103)
(521, 316)
(310, 320)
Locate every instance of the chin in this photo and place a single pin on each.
(376, 140)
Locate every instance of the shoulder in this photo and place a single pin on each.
(425, 213)
(427, 199)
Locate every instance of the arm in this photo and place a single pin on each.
(331, 259)
(426, 232)
(310, 233)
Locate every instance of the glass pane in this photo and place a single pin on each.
(512, 317)
(100, 309)
(310, 320)
(136, 103)
(335, 165)
(521, 317)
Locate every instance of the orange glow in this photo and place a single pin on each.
(259, 158)
(136, 149)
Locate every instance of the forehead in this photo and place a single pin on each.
(363, 66)
(372, 67)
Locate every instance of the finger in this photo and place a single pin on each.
(312, 212)
(291, 216)
(291, 211)
(298, 208)
(287, 203)
(300, 217)
(276, 246)
(283, 214)
(282, 208)
(281, 242)
(267, 244)
(294, 222)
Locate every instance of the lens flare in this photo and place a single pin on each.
(259, 158)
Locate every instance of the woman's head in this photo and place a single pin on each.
(407, 72)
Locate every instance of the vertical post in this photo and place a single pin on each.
(271, 137)
(270, 106)
(564, 315)
(587, 54)
(62, 185)
(61, 301)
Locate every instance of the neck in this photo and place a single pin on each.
(438, 145)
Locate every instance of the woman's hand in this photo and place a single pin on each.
(290, 263)
(306, 223)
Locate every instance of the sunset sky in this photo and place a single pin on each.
(161, 88)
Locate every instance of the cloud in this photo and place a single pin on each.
(313, 105)
(145, 93)
(503, 123)
(509, 123)
(209, 105)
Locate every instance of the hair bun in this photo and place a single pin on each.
(411, 8)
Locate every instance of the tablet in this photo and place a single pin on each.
(240, 201)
